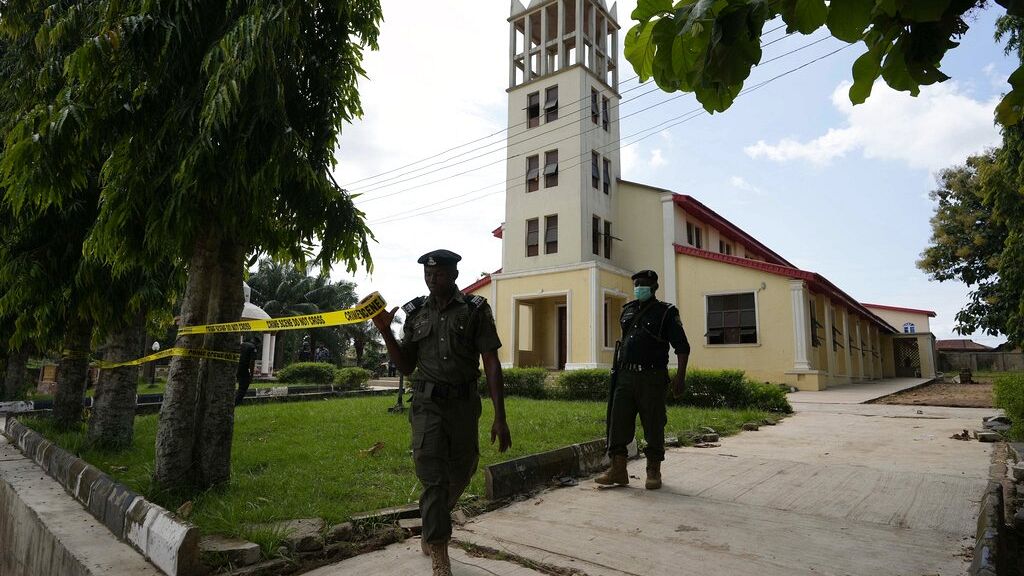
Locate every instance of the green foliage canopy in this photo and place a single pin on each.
(708, 47)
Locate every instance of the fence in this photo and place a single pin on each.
(981, 361)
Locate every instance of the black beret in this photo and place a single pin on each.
(439, 258)
(646, 274)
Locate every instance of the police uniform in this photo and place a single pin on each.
(648, 329)
(446, 341)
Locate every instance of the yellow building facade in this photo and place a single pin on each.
(574, 233)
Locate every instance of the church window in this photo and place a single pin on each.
(551, 234)
(595, 171)
(531, 236)
(909, 328)
(533, 110)
(551, 168)
(732, 319)
(532, 173)
(595, 114)
(607, 239)
(551, 104)
(607, 175)
(604, 113)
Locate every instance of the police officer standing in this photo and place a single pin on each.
(444, 337)
(649, 326)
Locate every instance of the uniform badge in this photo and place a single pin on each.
(431, 261)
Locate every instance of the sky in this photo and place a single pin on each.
(836, 189)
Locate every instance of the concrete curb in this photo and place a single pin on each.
(520, 475)
(990, 518)
(170, 544)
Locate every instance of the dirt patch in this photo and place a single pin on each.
(944, 394)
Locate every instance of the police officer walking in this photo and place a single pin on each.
(445, 335)
(649, 326)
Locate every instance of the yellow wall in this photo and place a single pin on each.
(773, 355)
(640, 225)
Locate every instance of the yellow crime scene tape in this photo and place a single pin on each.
(187, 352)
(373, 306)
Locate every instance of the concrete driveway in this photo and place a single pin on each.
(837, 488)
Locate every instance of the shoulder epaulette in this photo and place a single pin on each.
(476, 300)
(414, 304)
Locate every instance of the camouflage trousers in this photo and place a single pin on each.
(643, 394)
(445, 450)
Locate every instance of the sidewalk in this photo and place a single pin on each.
(838, 488)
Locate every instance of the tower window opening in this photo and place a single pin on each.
(607, 239)
(532, 173)
(595, 170)
(604, 113)
(532, 230)
(551, 234)
(595, 235)
(533, 110)
(594, 112)
(551, 168)
(607, 175)
(551, 104)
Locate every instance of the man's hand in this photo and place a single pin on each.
(383, 320)
(499, 430)
(679, 385)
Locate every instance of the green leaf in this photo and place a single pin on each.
(866, 70)
(895, 71)
(924, 10)
(1011, 108)
(804, 16)
(639, 49)
(848, 19)
(647, 9)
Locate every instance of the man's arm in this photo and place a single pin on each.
(679, 382)
(496, 385)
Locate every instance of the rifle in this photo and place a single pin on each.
(613, 380)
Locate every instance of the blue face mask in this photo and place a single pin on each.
(642, 293)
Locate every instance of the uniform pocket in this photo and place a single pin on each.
(421, 331)
(418, 422)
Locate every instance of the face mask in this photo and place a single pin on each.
(642, 293)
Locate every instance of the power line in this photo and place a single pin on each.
(538, 134)
(681, 119)
(453, 148)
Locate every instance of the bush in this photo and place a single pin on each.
(1009, 395)
(524, 382)
(307, 373)
(589, 384)
(351, 378)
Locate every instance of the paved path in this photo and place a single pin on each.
(838, 488)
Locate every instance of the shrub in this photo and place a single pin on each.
(1009, 395)
(589, 384)
(351, 378)
(307, 373)
(524, 382)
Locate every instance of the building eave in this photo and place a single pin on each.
(928, 313)
(815, 282)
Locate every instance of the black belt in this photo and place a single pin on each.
(445, 390)
(638, 367)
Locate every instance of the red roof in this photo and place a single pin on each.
(928, 313)
(497, 231)
(728, 229)
(481, 282)
(815, 282)
(959, 344)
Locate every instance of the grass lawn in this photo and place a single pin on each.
(158, 386)
(306, 459)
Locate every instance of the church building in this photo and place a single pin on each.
(575, 231)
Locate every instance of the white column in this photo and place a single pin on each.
(595, 315)
(860, 357)
(827, 340)
(273, 352)
(668, 273)
(528, 40)
(846, 343)
(544, 41)
(561, 32)
(512, 54)
(604, 48)
(266, 357)
(580, 39)
(593, 36)
(615, 48)
(801, 333)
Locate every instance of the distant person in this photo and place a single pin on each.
(391, 368)
(446, 335)
(649, 326)
(322, 354)
(246, 366)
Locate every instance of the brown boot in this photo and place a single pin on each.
(439, 559)
(616, 474)
(653, 475)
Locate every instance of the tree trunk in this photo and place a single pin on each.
(217, 408)
(111, 425)
(175, 436)
(71, 375)
(15, 374)
(193, 447)
(359, 345)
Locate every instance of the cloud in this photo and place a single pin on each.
(740, 183)
(629, 157)
(938, 128)
(657, 159)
